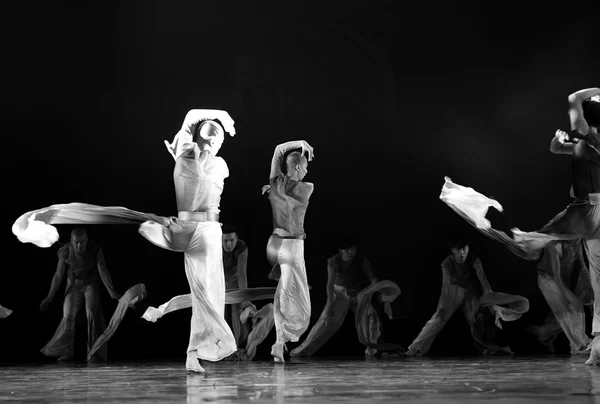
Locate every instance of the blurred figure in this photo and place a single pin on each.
(465, 287)
(83, 262)
(350, 281)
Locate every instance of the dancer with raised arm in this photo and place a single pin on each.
(289, 197)
(199, 176)
(579, 221)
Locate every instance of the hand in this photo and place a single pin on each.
(561, 136)
(265, 189)
(308, 149)
(45, 304)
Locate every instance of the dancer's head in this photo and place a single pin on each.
(296, 166)
(459, 247)
(591, 114)
(79, 240)
(230, 238)
(209, 136)
(348, 248)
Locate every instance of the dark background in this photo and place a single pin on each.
(392, 95)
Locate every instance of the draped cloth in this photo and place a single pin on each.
(366, 318)
(233, 296)
(134, 294)
(200, 242)
(579, 221)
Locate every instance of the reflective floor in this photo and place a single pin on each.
(415, 380)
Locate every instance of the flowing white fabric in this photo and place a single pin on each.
(200, 242)
(4, 312)
(366, 320)
(180, 302)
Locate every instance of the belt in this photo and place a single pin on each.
(281, 233)
(197, 216)
(595, 199)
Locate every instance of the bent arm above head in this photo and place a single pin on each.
(481, 275)
(105, 275)
(283, 148)
(184, 139)
(578, 122)
(56, 279)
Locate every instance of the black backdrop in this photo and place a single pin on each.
(393, 96)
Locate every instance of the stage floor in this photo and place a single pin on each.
(355, 380)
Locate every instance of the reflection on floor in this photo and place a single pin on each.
(355, 380)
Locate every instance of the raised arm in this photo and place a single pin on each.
(105, 276)
(56, 281)
(576, 100)
(184, 139)
(283, 148)
(481, 275)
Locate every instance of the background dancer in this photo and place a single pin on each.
(83, 262)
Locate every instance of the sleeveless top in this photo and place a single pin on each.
(349, 274)
(586, 166)
(199, 178)
(464, 274)
(81, 267)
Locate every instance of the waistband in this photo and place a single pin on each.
(281, 233)
(197, 216)
(595, 199)
(592, 199)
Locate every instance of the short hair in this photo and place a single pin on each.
(346, 242)
(591, 112)
(78, 232)
(292, 159)
(458, 241)
(229, 228)
(207, 129)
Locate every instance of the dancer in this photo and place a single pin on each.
(199, 176)
(289, 197)
(579, 221)
(83, 261)
(235, 260)
(465, 286)
(350, 281)
(566, 293)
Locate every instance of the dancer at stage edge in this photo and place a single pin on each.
(580, 220)
(350, 285)
(199, 176)
(566, 294)
(289, 197)
(465, 286)
(83, 261)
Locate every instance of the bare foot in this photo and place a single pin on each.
(277, 352)
(594, 359)
(192, 364)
